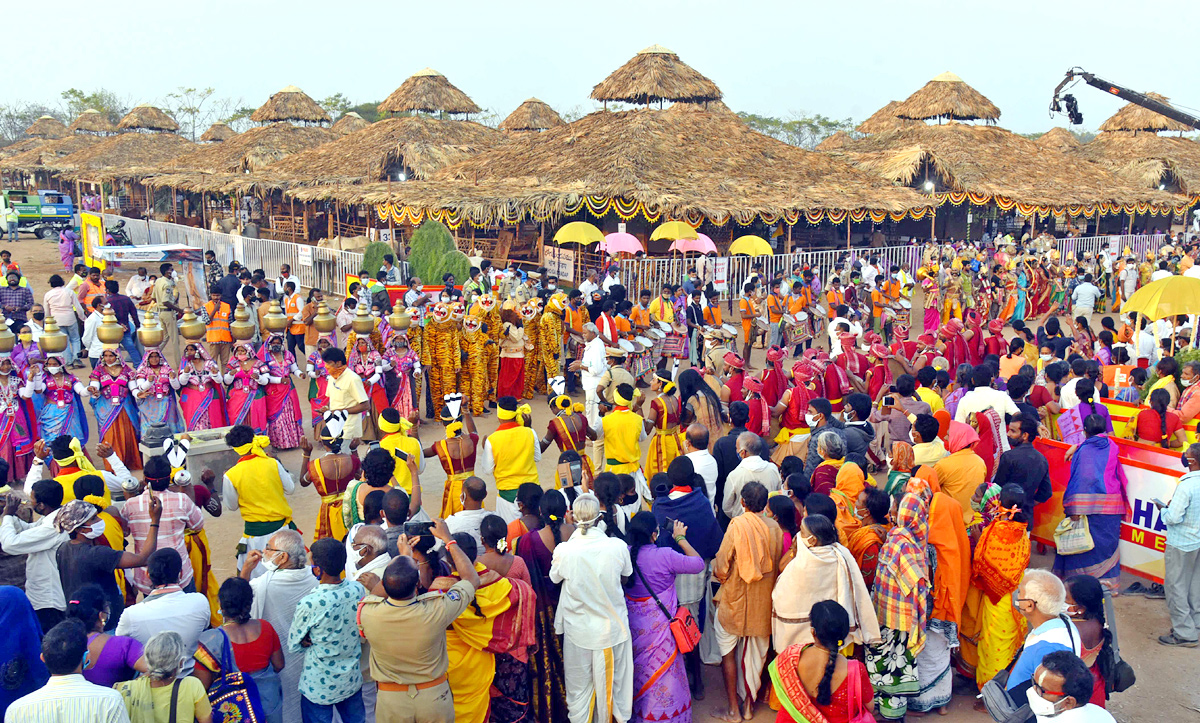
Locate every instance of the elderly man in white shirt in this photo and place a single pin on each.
(591, 367)
(593, 619)
(1162, 272)
(982, 396)
(611, 279)
(589, 285)
(752, 468)
(695, 446)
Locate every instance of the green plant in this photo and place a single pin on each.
(373, 256)
(457, 263)
(431, 246)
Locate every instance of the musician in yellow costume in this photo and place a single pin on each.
(570, 430)
(550, 336)
(397, 440)
(662, 308)
(255, 486)
(535, 373)
(474, 343)
(623, 431)
(444, 357)
(663, 416)
(952, 296)
(456, 453)
(510, 455)
(488, 310)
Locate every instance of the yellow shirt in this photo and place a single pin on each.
(623, 432)
(411, 446)
(517, 464)
(931, 398)
(259, 489)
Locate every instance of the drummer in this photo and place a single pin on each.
(639, 316)
(662, 310)
(776, 308)
(696, 324)
(749, 312)
(798, 303)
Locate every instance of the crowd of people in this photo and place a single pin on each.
(843, 532)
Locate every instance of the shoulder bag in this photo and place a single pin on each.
(682, 623)
(999, 703)
(234, 695)
(1073, 537)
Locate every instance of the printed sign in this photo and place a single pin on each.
(720, 278)
(304, 256)
(560, 262)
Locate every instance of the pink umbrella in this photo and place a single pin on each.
(701, 244)
(616, 243)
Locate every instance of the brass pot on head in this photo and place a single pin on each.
(241, 328)
(275, 320)
(7, 339)
(363, 323)
(399, 318)
(53, 339)
(109, 331)
(190, 326)
(151, 332)
(325, 321)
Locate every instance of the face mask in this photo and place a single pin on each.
(810, 420)
(54, 370)
(1039, 706)
(39, 316)
(95, 530)
(551, 287)
(271, 565)
(276, 348)
(1045, 357)
(25, 338)
(1188, 382)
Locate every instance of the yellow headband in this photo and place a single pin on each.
(563, 404)
(453, 429)
(257, 446)
(387, 427)
(622, 401)
(519, 413)
(668, 387)
(77, 458)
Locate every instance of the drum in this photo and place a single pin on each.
(822, 310)
(904, 313)
(626, 346)
(680, 329)
(730, 331)
(802, 316)
(656, 334)
(787, 320)
(664, 326)
(761, 323)
(643, 342)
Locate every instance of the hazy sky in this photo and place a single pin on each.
(835, 58)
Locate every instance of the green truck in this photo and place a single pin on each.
(42, 213)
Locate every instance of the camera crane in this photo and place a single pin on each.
(1071, 108)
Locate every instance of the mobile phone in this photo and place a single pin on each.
(1158, 503)
(416, 529)
(889, 401)
(400, 454)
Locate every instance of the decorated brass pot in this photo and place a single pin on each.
(399, 319)
(109, 331)
(363, 322)
(241, 328)
(324, 320)
(151, 332)
(53, 339)
(274, 320)
(190, 326)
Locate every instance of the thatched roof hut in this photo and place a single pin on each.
(45, 154)
(664, 163)
(217, 132)
(947, 97)
(290, 104)
(147, 118)
(1059, 139)
(532, 115)
(1146, 159)
(656, 73)
(885, 119)
(47, 127)
(20, 146)
(1133, 117)
(349, 123)
(121, 157)
(250, 151)
(837, 140)
(428, 91)
(988, 163)
(93, 121)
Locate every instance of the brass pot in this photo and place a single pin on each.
(7, 339)
(363, 322)
(190, 326)
(325, 321)
(241, 328)
(53, 339)
(151, 332)
(399, 319)
(109, 331)
(274, 320)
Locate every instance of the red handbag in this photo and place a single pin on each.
(683, 624)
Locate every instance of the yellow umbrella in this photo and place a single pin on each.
(1171, 296)
(578, 232)
(751, 246)
(673, 231)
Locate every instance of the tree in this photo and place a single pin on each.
(237, 118)
(75, 101)
(15, 118)
(801, 129)
(369, 111)
(335, 105)
(190, 108)
(373, 256)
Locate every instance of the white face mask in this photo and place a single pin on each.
(551, 287)
(1041, 707)
(1188, 382)
(54, 369)
(1045, 357)
(810, 420)
(96, 529)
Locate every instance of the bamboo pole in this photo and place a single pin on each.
(847, 230)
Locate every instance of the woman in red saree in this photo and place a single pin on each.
(774, 379)
(879, 374)
(954, 343)
(993, 439)
(975, 345)
(814, 683)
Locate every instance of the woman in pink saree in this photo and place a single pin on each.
(285, 422)
(403, 361)
(201, 395)
(246, 376)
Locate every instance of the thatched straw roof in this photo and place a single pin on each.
(349, 123)
(837, 140)
(429, 91)
(673, 163)
(1059, 139)
(947, 96)
(93, 121)
(656, 73)
(20, 146)
(217, 132)
(885, 119)
(532, 115)
(45, 154)
(147, 118)
(991, 161)
(47, 127)
(290, 104)
(1136, 118)
(128, 155)
(1146, 159)
(252, 150)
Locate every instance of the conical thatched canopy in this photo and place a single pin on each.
(884, 120)
(1058, 138)
(46, 153)
(1146, 159)
(656, 74)
(1136, 118)
(123, 156)
(429, 91)
(290, 104)
(349, 123)
(217, 132)
(47, 127)
(147, 118)
(532, 115)
(93, 121)
(837, 140)
(21, 146)
(252, 150)
(947, 96)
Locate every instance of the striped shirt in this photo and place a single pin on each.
(69, 699)
(1182, 515)
(179, 514)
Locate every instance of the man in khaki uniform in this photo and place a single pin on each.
(407, 636)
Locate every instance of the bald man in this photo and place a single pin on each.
(474, 492)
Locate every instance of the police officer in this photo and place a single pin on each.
(407, 635)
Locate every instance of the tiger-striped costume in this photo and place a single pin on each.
(475, 370)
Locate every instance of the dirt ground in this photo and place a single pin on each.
(1165, 690)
